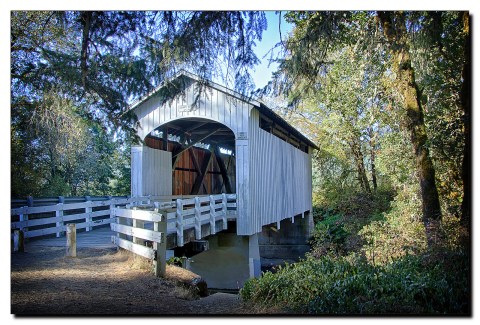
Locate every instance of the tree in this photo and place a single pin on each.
(306, 61)
(465, 96)
(99, 62)
(395, 31)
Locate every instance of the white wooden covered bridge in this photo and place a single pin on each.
(201, 138)
(229, 176)
(222, 142)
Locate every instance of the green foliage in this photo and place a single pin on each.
(400, 233)
(174, 260)
(376, 254)
(67, 154)
(351, 285)
(329, 235)
(74, 73)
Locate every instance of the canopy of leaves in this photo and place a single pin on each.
(94, 64)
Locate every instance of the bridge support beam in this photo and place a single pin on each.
(287, 243)
(225, 265)
(254, 256)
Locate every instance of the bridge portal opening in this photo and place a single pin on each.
(203, 155)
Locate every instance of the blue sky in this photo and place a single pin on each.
(270, 37)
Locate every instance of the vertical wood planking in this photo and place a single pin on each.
(273, 178)
(88, 211)
(160, 263)
(179, 223)
(156, 173)
(198, 225)
(18, 241)
(224, 211)
(282, 169)
(212, 215)
(59, 223)
(136, 171)
(71, 240)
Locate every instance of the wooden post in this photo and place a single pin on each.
(88, 211)
(224, 210)
(112, 216)
(212, 216)
(71, 240)
(18, 241)
(24, 217)
(198, 224)
(160, 262)
(59, 216)
(179, 223)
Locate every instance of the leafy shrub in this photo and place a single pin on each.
(174, 260)
(351, 285)
(329, 236)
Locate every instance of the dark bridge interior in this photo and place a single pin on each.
(203, 155)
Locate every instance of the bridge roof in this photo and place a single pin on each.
(260, 106)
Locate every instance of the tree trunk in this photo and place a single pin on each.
(397, 38)
(358, 158)
(372, 159)
(86, 20)
(465, 94)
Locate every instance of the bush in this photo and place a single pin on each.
(389, 270)
(329, 236)
(351, 285)
(400, 233)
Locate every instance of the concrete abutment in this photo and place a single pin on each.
(231, 259)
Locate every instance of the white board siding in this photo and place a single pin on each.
(223, 108)
(280, 179)
(214, 105)
(151, 172)
(273, 178)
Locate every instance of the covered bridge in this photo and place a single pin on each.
(201, 138)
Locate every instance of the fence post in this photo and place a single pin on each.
(137, 224)
(224, 211)
(88, 211)
(212, 216)
(23, 217)
(198, 224)
(160, 262)
(71, 240)
(179, 223)
(112, 215)
(18, 241)
(59, 215)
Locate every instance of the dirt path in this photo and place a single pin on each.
(104, 281)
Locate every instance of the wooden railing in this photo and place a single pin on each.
(182, 212)
(51, 219)
(130, 223)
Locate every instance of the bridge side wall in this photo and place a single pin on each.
(217, 106)
(151, 171)
(273, 177)
(280, 179)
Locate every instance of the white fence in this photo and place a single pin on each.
(52, 219)
(182, 212)
(139, 234)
